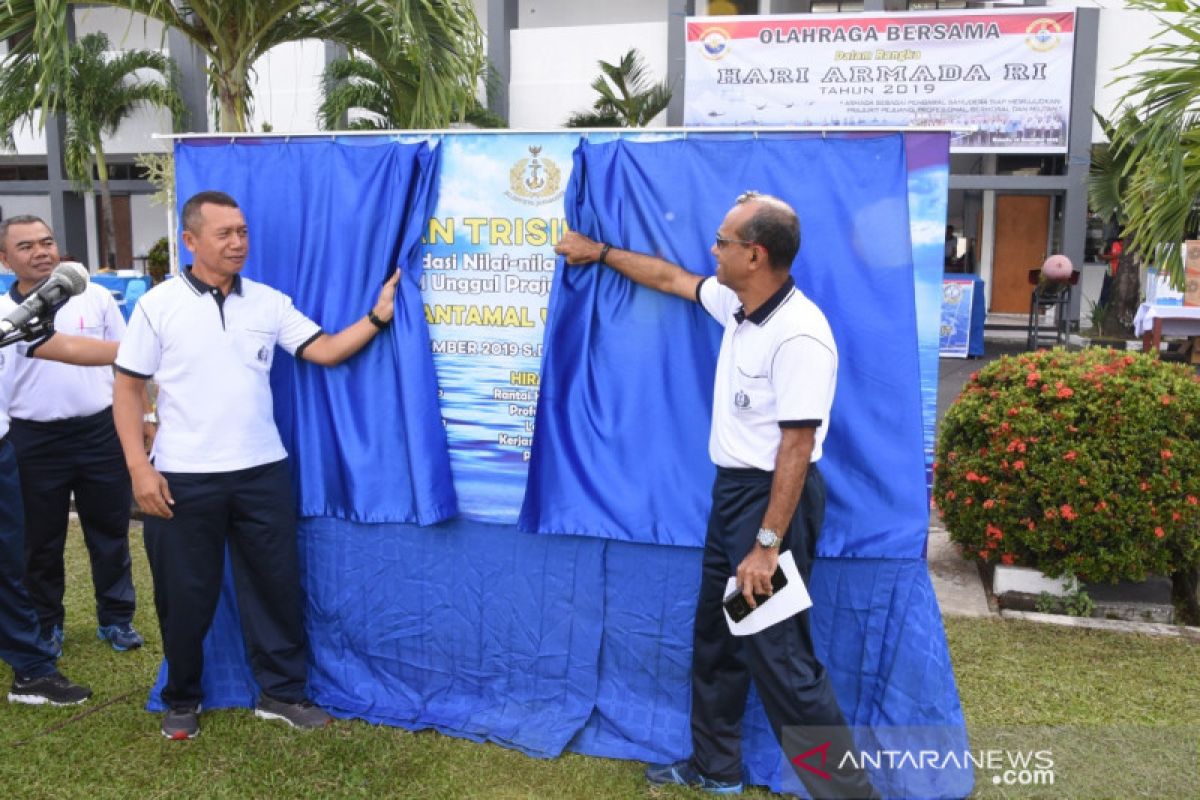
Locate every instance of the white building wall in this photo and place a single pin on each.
(552, 68)
(149, 223)
(592, 13)
(287, 87)
(124, 29)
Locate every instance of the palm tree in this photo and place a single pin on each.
(99, 92)
(441, 38)
(1161, 140)
(1108, 191)
(385, 95)
(627, 98)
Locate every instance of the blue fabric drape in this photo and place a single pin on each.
(328, 222)
(622, 421)
(553, 643)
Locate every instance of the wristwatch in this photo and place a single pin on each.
(768, 538)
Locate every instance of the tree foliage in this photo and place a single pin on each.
(440, 38)
(1158, 138)
(100, 90)
(627, 97)
(380, 98)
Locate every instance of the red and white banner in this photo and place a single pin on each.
(1005, 74)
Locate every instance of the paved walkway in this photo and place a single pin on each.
(955, 580)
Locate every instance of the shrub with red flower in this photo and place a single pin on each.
(1075, 463)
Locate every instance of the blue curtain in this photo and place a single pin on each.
(583, 643)
(622, 423)
(329, 220)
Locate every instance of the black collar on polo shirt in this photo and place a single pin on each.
(203, 288)
(16, 295)
(759, 315)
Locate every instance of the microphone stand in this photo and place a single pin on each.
(22, 334)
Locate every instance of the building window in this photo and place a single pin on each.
(24, 172)
(835, 6)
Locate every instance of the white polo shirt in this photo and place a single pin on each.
(211, 357)
(50, 390)
(10, 356)
(777, 369)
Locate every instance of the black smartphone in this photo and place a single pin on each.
(736, 603)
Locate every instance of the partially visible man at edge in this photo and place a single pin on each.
(66, 445)
(36, 679)
(218, 471)
(774, 387)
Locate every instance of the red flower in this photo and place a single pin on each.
(1176, 516)
(1165, 453)
(1050, 513)
(1007, 558)
(1018, 465)
(1192, 500)
(1165, 399)
(1068, 513)
(950, 495)
(972, 476)
(1031, 525)
(992, 532)
(1145, 487)
(1070, 455)
(983, 554)
(989, 503)
(1012, 412)
(1159, 533)
(1101, 506)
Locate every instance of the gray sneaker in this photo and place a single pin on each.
(182, 722)
(54, 689)
(303, 714)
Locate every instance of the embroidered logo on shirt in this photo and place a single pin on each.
(262, 354)
(741, 400)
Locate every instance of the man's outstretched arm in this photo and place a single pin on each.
(651, 271)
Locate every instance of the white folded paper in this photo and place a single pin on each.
(784, 604)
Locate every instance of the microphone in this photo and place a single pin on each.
(68, 279)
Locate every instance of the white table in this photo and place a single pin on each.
(1154, 322)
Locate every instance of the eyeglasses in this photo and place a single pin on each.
(722, 241)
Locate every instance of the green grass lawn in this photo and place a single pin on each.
(1009, 674)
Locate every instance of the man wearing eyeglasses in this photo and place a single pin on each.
(774, 387)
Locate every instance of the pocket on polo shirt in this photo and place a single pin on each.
(83, 327)
(257, 349)
(752, 394)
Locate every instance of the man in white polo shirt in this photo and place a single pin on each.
(773, 391)
(36, 679)
(218, 472)
(63, 434)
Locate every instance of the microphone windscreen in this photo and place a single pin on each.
(73, 275)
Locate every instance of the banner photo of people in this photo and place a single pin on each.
(1004, 74)
(488, 262)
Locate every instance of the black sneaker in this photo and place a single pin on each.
(299, 715)
(181, 723)
(54, 689)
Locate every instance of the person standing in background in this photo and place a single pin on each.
(65, 442)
